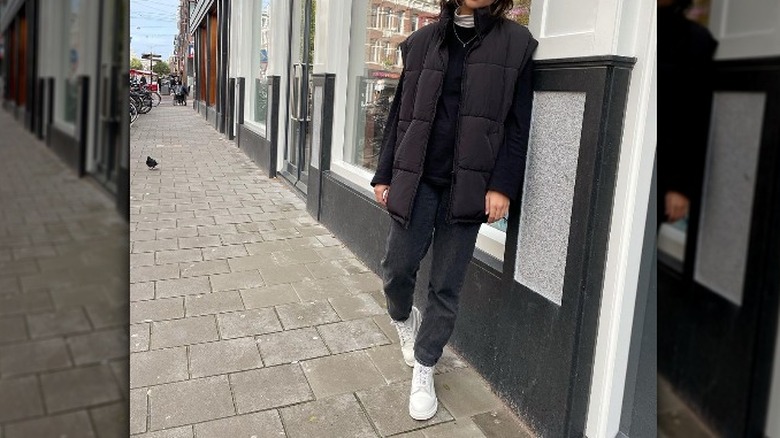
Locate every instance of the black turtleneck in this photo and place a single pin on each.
(441, 146)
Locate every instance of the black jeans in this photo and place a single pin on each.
(453, 247)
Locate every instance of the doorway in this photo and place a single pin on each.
(297, 148)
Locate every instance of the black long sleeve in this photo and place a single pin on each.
(384, 169)
(510, 164)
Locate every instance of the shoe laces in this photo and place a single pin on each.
(422, 376)
(405, 330)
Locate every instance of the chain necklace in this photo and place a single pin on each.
(455, 30)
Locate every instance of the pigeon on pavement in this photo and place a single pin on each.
(151, 162)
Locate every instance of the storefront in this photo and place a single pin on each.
(718, 277)
(548, 309)
(67, 82)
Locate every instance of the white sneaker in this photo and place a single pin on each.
(407, 333)
(422, 400)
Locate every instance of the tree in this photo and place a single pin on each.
(136, 63)
(161, 68)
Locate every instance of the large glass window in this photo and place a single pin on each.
(73, 53)
(260, 62)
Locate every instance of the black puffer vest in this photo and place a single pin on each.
(491, 69)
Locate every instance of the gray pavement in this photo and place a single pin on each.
(250, 319)
(63, 297)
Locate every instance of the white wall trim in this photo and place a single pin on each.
(626, 236)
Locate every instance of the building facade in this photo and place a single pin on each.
(557, 327)
(65, 71)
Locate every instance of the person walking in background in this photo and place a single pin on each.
(685, 53)
(452, 157)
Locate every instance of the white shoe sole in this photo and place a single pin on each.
(422, 416)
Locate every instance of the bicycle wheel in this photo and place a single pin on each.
(146, 105)
(156, 98)
(133, 113)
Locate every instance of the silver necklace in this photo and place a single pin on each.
(455, 29)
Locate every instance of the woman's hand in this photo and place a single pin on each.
(380, 193)
(496, 205)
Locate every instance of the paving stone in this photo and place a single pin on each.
(141, 291)
(177, 232)
(339, 416)
(191, 401)
(309, 289)
(501, 423)
(13, 329)
(266, 248)
(178, 255)
(182, 286)
(283, 274)
(139, 337)
(31, 357)
(224, 252)
(383, 321)
(111, 420)
(72, 424)
(260, 424)
(138, 410)
(79, 388)
(142, 259)
(154, 245)
(289, 346)
(158, 366)
(224, 357)
(183, 331)
(334, 253)
(151, 273)
(329, 241)
(295, 256)
(449, 361)
(20, 399)
(121, 370)
(297, 315)
(216, 230)
(267, 388)
(136, 236)
(31, 302)
(108, 315)
(248, 323)
(356, 306)
(215, 302)
(388, 409)
(367, 282)
(199, 242)
(240, 238)
(389, 360)
(254, 227)
(460, 428)
(237, 280)
(465, 393)
(156, 310)
(178, 432)
(99, 346)
(343, 373)
(252, 263)
(352, 335)
(269, 296)
(304, 242)
(208, 267)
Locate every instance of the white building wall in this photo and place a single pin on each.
(746, 29)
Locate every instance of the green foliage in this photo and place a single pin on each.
(136, 64)
(161, 68)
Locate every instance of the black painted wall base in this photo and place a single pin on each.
(66, 146)
(257, 148)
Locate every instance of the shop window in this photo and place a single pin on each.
(213, 29)
(72, 49)
(260, 63)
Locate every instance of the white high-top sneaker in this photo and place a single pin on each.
(407, 333)
(423, 403)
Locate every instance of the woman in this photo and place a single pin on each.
(452, 158)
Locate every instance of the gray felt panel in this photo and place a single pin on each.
(727, 201)
(551, 172)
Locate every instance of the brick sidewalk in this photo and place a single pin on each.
(63, 297)
(249, 319)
